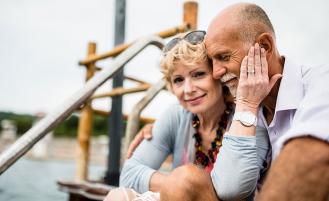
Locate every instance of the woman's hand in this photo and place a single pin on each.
(254, 83)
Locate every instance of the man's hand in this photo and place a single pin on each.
(144, 133)
(254, 83)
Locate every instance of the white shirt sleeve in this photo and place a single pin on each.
(312, 115)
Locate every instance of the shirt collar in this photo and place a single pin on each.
(291, 87)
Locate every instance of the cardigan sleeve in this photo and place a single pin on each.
(150, 154)
(239, 164)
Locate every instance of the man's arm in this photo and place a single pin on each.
(301, 172)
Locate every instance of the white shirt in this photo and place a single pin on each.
(302, 107)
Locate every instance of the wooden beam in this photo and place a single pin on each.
(120, 48)
(126, 77)
(98, 68)
(135, 80)
(121, 91)
(144, 120)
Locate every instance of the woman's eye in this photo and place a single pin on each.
(178, 80)
(199, 74)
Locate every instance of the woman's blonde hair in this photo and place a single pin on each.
(183, 53)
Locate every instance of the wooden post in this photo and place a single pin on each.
(119, 91)
(85, 126)
(190, 16)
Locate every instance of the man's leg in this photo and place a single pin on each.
(301, 172)
(188, 183)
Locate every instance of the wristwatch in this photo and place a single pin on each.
(246, 118)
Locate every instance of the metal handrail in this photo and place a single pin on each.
(133, 119)
(32, 136)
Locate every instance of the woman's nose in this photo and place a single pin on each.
(188, 86)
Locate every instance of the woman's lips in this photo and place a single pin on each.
(196, 100)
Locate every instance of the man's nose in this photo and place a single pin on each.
(218, 69)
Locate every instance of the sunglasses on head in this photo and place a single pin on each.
(194, 38)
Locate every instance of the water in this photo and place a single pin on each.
(33, 180)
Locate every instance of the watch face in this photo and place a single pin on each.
(247, 118)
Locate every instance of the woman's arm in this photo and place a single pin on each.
(140, 171)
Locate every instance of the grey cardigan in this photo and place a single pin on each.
(239, 165)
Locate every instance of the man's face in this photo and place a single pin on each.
(226, 52)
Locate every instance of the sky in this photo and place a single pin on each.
(41, 42)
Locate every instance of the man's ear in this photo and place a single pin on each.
(266, 41)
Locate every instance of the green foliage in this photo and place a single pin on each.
(100, 125)
(68, 128)
(23, 121)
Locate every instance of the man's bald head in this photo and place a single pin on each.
(246, 20)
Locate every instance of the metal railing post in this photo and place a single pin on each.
(133, 119)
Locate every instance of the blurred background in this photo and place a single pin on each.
(41, 43)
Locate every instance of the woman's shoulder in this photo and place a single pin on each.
(176, 109)
(175, 114)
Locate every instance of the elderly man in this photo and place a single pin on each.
(295, 113)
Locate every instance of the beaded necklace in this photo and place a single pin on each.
(202, 158)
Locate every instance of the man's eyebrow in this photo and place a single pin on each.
(221, 52)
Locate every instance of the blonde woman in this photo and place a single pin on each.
(195, 132)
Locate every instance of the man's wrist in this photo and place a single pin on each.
(242, 106)
(245, 108)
